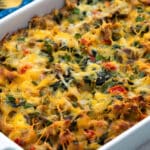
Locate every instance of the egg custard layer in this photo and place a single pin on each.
(78, 77)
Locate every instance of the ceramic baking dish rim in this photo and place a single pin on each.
(129, 139)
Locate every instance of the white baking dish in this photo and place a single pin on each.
(129, 140)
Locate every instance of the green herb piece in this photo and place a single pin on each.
(76, 11)
(100, 57)
(51, 58)
(74, 104)
(77, 35)
(140, 19)
(39, 40)
(13, 102)
(48, 122)
(138, 28)
(21, 39)
(81, 17)
(140, 9)
(132, 77)
(144, 29)
(97, 23)
(119, 97)
(34, 114)
(70, 19)
(48, 45)
(143, 93)
(34, 83)
(102, 77)
(142, 74)
(84, 13)
(57, 85)
(83, 62)
(28, 105)
(147, 56)
(137, 44)
(107, 85)
(90, 1)
(136, 70)
(66, 58)
(87, 79)
(78, 57)
(102, 139)
(116, 46)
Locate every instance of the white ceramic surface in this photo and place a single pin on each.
(7, 144)
(130, 139)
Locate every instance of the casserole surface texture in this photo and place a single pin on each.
(78, 77)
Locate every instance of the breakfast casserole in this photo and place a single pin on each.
(76, 78)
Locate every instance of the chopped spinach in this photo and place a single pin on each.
(33, 115)
(48, 122)
(48, 45)
(84, 13)
(78, 57)
(89, 1)
(50, 58)
(100, 57)
(147, 56)
(103, 76)
(132, 77)
(139, 9)
(58, 18)
(87, 79)
(94, 52)
(34, 83)
(116, 46)
(39, 40)
(102, 139)
(77, 35)
(28, 105)
(97, 23)
(84, 62)
(66, 58)
(21, 39)
(57, 85)
(76, 11)
(137, 44)
(12, 101)
(70, 19)
(107, 85)
(74, 104)
(119, 97)
(140, 18)
(141, 74)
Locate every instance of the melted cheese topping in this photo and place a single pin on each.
(78, 77)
